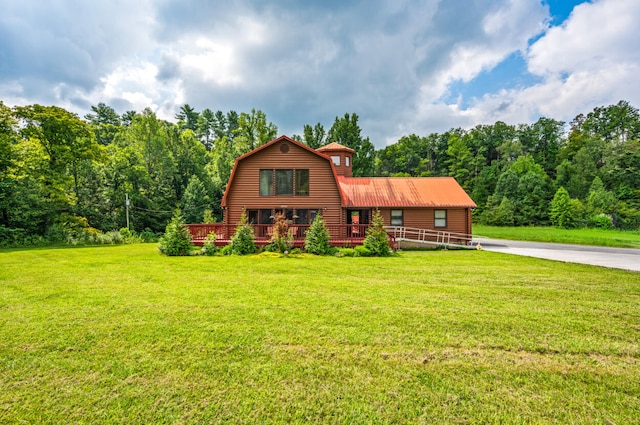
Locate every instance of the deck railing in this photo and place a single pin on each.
(339, 234)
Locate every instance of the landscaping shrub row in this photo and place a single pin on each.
(177, 240)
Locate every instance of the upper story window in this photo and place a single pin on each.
(266, 183)
(336, 160)
(302, 182)
(284, 182)
(347, 161)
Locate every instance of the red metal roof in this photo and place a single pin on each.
(403, 192)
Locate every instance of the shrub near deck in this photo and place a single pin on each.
(124, 335)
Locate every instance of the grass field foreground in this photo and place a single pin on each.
(121, 334)
(595, 237)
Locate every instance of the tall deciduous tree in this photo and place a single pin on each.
(600, 200)
(614, 123)
(253, 131)
(460, 160)
(105, 121)
(315, 136)
(195, 201)
(8, 156)
(151, 138)
(543, 141)
(65, 141)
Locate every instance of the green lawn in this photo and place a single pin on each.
(598, 237)
(121, 334)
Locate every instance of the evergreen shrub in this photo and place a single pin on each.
(317, 238)
(376, 239)
(176, 239)
(362, 251)
(243, 240)
(209, 247)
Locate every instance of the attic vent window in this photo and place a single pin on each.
(284, 148)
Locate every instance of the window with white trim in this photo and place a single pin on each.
(335, 159)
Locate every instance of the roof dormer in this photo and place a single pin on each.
(341, 156)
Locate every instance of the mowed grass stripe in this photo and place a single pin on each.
(124, 335)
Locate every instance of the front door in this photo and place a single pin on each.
(358, 216)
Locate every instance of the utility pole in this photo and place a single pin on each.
(126, 203)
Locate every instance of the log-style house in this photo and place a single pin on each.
(287, 177)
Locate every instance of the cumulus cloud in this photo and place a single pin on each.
(394, 63)
(588, 61)
(596, 35)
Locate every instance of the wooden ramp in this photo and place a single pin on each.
(430, 238)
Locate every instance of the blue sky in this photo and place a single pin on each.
(511, 72)
(404, 66)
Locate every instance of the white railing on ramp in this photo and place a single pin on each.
(437, 238)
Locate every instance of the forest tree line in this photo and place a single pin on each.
(59, 171)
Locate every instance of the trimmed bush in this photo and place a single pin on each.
(209, 247)
(362, 251)
(601, 221)
(347, 252)
(147, 235)
(176, 240)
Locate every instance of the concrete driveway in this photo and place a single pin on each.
(619, 258)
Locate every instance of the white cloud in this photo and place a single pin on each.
(584, 63)
(560, 98)
(391, 62)
(505, 30)
(211, 61)
(596, 35)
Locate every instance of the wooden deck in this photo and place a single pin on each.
(339, 235)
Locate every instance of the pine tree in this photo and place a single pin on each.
(195, 201)
(243, 240)
(377, 240)
(561, 209)
(176, 239)
(317, 238)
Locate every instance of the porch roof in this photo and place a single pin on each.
(403, 192)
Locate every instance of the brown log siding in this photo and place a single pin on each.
(458, 219)
(245, 191)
